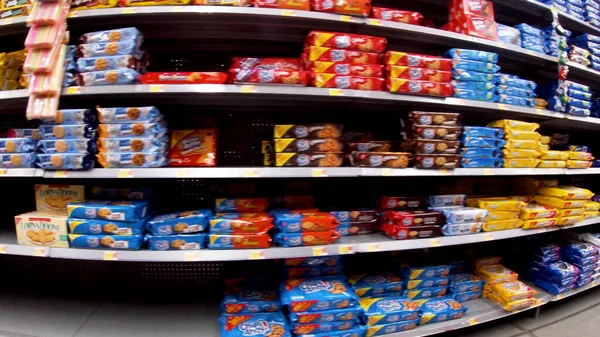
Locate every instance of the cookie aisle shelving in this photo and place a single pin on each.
(286, 26)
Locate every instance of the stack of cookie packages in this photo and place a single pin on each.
(132, 137)
(18, 150)
(473, 74)
(503, 212)
(511, 89)
(472, 17)
(436, 139)
(178, 231)
(68, 141)
(570, 97)
(587, 50)
(550, 272)
(406, 218)
(465, 287)
(459, 219)
(46, 57)
(584, 257)
(418, 74)
(102, 224)
(268, 70)
(110, 57)
(531, 38)
(316, 145)
(521, 146)
(345, 61)
(552, 40)
(481, 147)
(308, 228)
(364, 151)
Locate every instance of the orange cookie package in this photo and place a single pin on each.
(399, 58)
(395, 15)
(422, 74)
(275, 63)
(312, 54)
(352, 7)
(303, 5)
(366, 43)
(367, 70)
(419, 87)
(193, 147)
(348, 82)
(183, 78)
(267, 76)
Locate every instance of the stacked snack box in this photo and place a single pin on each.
(584, 257)
(195, 147)
(396, 15)
(358, 7)
(511, 89)
(109, 57)
(592, 209)
(473, 72)
(576, 9)
(356, 221)
(502, 285)
(481, 147)
(346, 61)
(592, 12)
(552, 40)
(389, 312)
(435, 136)
(366, 152)
(11, 8)
(503, 213)
(509, 35)
(305, 228)
(474, 18)
(588, 43)
(531, 38)
(579, 55)
(465, 287)
(100, 224)
(11, 67)
(406, 217)
(240, 223)
(131, 137)
(570, 97)
(68, 140)
(522, 143)
(550, 273)
(459, 219)
(317, 145)
(178, 231)
(569, 201)
(538, 216)
(18, 150)
(268, 70)
(418, 74)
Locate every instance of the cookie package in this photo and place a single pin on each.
(73, 131)
(81, 146)
(239, 241)
(365, 285)
(94, 226)
(72, 116)
(306, 238)
(240, 223)
(42, 228)
(193, 147)
(133, 160)
(126, 242)
(348, 314)
(56, 197)
(156, 130)
(127, 211)
(179, 222)
(310, 222)
(320, 294)
(147, 114)
(176, 242)
(265, 324)
(119, 145)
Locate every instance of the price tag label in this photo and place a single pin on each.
(473, 321)
(177, 9)
(248, 89)
(488, 172)
(374, 22)
(593, 282)
(539, 301)
(318, 173)
(257, 255)
(129, 10)
(346, 18)
(445, 172)
(251, 173)
(73, 90)
(60, 174)
(40, 252)
(125, 173)
(2, 249)
(386, 172)
(539, 111)
(373, 247)
(488, 237)
(111, 256)
(190, 257)
(502, 107)
(435, 242)
(156, 88)
(182, 173)
(560, 296)
(7, 21)
(319, 251)
(287, 12)
(3, 172)
(73, 14)
(336, 92)
(345, 249)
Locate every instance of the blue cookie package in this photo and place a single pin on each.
(469, 75)
(390, 328)
(65, 161)
(529, 102)
(585, 37)
(578, 103)
(82, 145)
(104, 241)
(108, 77)
(358, 331)
(95, 226)
(578, 3)
(484, 67)
(70, 131)
(581, 262)
(88, 64)
(514, 91)
(583, 282)
(509, 35)
(469, 85)
(313, 261)
(579, 249)
(180, 222)
(577, 111)
(553, 288)
(472, 55)
(425, 271)
(595, 65)
(482, 142)
(72, 116)
(17, 145)
(343, 229)
(428, 282)
(557, 270)
(533, 47)
(481, 162)
(577, 86)
(386, 310)
(110, 49)
(156, 130)
(536, 274)
(127, 211)
(467, 296)
(349, 314)
(261, 324)
(176, 242)
(114, 35)
(527, 29)
(531, 40)
(120, 145)
(582, 95)
(482, 131)
(132, 159)
(575, 9)
(587, 268)
(481, 152)
(461, 283)
(319, 294)
(373, 285)
(462, 228)
(550, 258)
(146, 114)
(323, 327)
(440, 309)
(474, 95)
(249, 301)
(514, 81)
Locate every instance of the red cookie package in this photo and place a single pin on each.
(395, 15)
(303, 5)
(419, 87)
(458, 8)
(366, 43)
(366, 70)
(478, 26)
(398, 58)
(348, 82)
(422, 74)
(352, 7)
(274, 63)
(183, 78)
(312, 54)
(265, 76)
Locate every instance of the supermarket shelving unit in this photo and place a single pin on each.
(292, 24)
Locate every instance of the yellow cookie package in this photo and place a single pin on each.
(495, 204)
(509, 306)
(511, 291)
(509, 124)
(559, 203)
(522, 135)
(494, 274)
(566, 192)
(501, 225)
(533, 211)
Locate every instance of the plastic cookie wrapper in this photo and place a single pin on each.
(306, 238)
(92, 4)
(23, 133)
(324, 293)
(269, 76)
(419, 272)
(469, 75)
(73, 131)
(241, 204)
(481, 162)
(554, 155)
(313, 54)
(427, 282)
(559, 203)
(474, 95)
(380, 159)
(494, 274)
(365, 70)
(47, 13)
(65, 161)
(501, 215)
(447, 200)
(395, 15)
(469, 142)
(109, 49)
(237, 3)
(239, 241)
(460, 283)
(93, 226)
(495, 204)
(578, 164)
(115, 35)
(72, 116)
(148, 114)
(183, 78)
(108, 77)
(533, 211)
(102, 63)
(480, 153)
(511, 291)
(461, 229)
(127, 211)
(313, 262)
(186, 222)
(266, 63)
(434, 118)
(240, 223)
(557, 270)
(432, 146)
(310, 159)
(303, 5)
(359, 8)
(17, 145)
(472, 55)
(398, 58)
(41, 107)
(566, 192)
(570, 212)
(272, 324)
(509, 80)
(44, 37)
(307, 272)
(323, 327)
(466, 296)
(419, 87)
(309, 144)
(575, 155)
(509, 306)
(580, 250)
(592, 206)
(156, 130)
(308, 131)
(384, 329)
(249, 301)
(484, 67)
(121, 145)
(583, 263)
(366, 285)
(500, 225)
(82, 146)
(176, 242)
(124, 242)
(552, 288)
(471, 85)
(347, 82)
(440, 309)
(414, 218)
(400, 203)
(17, 160)
(132, 160)
(568, 220)
(311, 222)
(363, 43)
(349, 314)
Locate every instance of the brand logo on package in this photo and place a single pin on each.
(254, 328)
(310, 287)
(389, 305)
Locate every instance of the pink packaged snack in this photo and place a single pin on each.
(49, 84)
(41, 60)
(43, 37)
(42, 108)
(48, 13)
